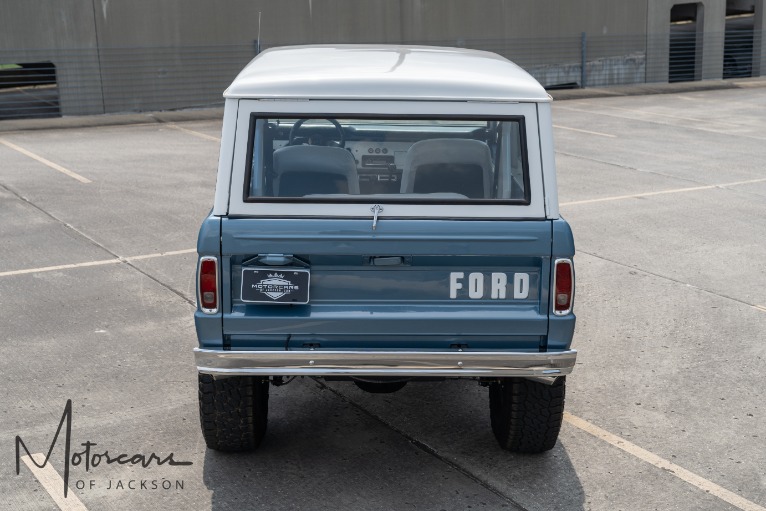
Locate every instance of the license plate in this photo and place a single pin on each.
(275, 285)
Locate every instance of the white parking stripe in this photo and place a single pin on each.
(686, 126)
(53, 484)
(662, 192)
(681, 473)
(195, 133)
(48, 163)
(161, 254)
(707, 121)
(584, 131)
(96, 263)
(59, 267)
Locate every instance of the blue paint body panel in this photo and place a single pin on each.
(561, 328)
(356, 304)
(209, 238)
(209, 326)
(563, 240)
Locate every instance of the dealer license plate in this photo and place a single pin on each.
(275, 285)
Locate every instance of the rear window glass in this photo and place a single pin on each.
(392, 159)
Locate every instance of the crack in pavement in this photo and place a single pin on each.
(636, 268)
(628, 167)
(424, 447)
(92, 241)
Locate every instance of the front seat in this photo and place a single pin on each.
(448, 165)
(305, 170)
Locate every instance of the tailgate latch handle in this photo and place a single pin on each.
(386, 260)
(376, 210)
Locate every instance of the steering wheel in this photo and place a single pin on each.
(293, 137)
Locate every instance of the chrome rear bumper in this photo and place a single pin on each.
(386, 363)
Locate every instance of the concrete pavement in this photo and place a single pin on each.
(666, 195)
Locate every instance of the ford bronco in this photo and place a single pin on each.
(384, 215)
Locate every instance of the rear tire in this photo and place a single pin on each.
(233, 411)
(526, 415)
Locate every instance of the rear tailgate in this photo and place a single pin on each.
(409, 284)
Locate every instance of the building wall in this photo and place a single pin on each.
(63, 32)
(180, 22)
(711, 30)
(118, 23)
(119, 55)
(710, 20)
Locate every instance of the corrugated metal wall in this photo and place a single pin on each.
(117, 55)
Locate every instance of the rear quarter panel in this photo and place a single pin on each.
(209, 326)
(561, 328)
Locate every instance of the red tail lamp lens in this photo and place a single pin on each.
(208, 284)
(563, 287)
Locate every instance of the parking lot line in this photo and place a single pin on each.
(58, 267)
(670, 116)
(670, 467)
(53, 483)
(662, 192)
(161, 254)
(115, 260)
(584, 131)
(685, 126)
(195, 133)
(48, 163)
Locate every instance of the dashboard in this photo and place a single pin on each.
(379, 152)
(379, 164)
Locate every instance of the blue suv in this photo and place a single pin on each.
(383, 215)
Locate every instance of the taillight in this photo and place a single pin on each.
(208, 284)
(563, 286)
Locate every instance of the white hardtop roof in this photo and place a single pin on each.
(384, 72)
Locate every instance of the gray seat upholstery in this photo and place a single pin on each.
(448, 165)
(304, 170)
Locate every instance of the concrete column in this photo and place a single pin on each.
(759, 41)
(657, 40)
(713, 30)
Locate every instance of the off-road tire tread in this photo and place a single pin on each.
(526, 415)
(233, 411)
